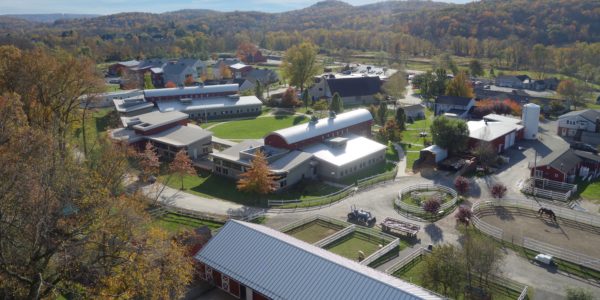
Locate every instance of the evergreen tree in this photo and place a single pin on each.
(305, 98)
(337, 105)
(258, 90)
(382, 113)
(400, 118)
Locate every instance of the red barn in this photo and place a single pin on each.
(501, 135)
(357, 122)
(251, 261)
(564, 165)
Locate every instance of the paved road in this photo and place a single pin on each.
(410, 97)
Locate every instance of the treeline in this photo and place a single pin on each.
(502, 31)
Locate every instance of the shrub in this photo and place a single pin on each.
(464, 215)
(498, 190)
(461, 184)
(432, 205)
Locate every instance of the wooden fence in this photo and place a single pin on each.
(554, 190)
(564, 254)
(406, 260)
(336, 236)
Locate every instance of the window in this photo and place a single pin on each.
(226, 171)
(282, 183)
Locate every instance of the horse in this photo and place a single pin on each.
(546, 211)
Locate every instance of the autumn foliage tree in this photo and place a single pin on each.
(96, 241)
(461, 184)
(504, 107)
(460, 86)
(289, 98)
(182, 165)
(148, 161)
(170, 84)
(245, 50)
(300, 64)
(498, 190)
(464, 215)
(432, 205)
(258, 178)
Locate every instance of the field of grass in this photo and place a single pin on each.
(213, 186)
(412, 142)
(314, 231)
(176, 223)
(97, 124)
(590, 191)
(255, 128)
(349, 245)
(413, 273)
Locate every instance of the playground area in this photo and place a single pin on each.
(517, 225)
(315, 230)
(349, 245)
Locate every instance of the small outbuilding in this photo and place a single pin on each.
(433, 154)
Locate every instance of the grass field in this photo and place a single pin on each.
(176, 223)
(255, 128)
(349, 245)
(413, 273)
(96, 126)
(213, 186)
(314, 231)
(590, 190)
(412, 141)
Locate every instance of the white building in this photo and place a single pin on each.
(576, 122)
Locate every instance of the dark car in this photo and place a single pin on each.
(584, 147)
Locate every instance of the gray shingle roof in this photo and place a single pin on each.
(282, 267)
(589, 114)
(355, 86)
(452, 100)
(562, 160)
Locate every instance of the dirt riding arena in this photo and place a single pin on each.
(519, 223)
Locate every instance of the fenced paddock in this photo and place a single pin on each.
(352, 239)
(314, 229)
(549, 189)
(575, 238)
(418, 211)
(411, 267)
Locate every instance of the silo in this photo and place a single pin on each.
(531, 120)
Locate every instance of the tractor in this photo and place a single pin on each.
(361, 217)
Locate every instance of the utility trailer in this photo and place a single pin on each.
(397, 227)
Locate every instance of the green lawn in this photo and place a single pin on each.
(176, 223)
(314, 231)
(255, 128)
(349, 245)
(112, 88)
(214, 186)
(413, 273)
(590, 190)
(391, 153)
(96, 126)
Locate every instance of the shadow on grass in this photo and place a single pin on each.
(299, 119)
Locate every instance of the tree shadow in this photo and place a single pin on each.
(435, 233)
(299, 119)
(503, 213)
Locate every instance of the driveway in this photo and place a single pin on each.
(410, 97)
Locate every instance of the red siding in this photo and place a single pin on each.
(234, 288)
(258, 296)
(550, 173)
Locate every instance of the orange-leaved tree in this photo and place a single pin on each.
(170, 84)
(182, 165)
(258, 178)
(148, 160)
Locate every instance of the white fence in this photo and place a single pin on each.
(298, 223)
(427, 187)
(564, 254)
(336, 236)
(554, 190)
(534, 245)
(381, 252)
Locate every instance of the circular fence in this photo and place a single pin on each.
(418, 211)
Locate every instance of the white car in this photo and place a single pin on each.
(545, 259)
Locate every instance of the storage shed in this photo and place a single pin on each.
(432, 154)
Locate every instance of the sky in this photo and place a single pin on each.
(103, 7)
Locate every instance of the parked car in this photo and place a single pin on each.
(544, 259)
(584, 147)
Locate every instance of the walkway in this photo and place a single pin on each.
(401, 161)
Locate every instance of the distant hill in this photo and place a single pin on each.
(49, 18)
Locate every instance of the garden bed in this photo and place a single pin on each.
(314, 231)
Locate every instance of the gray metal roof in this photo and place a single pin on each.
(181, 136)
(563, 160)
(282, 267)
(326, 125)
(590, 114)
